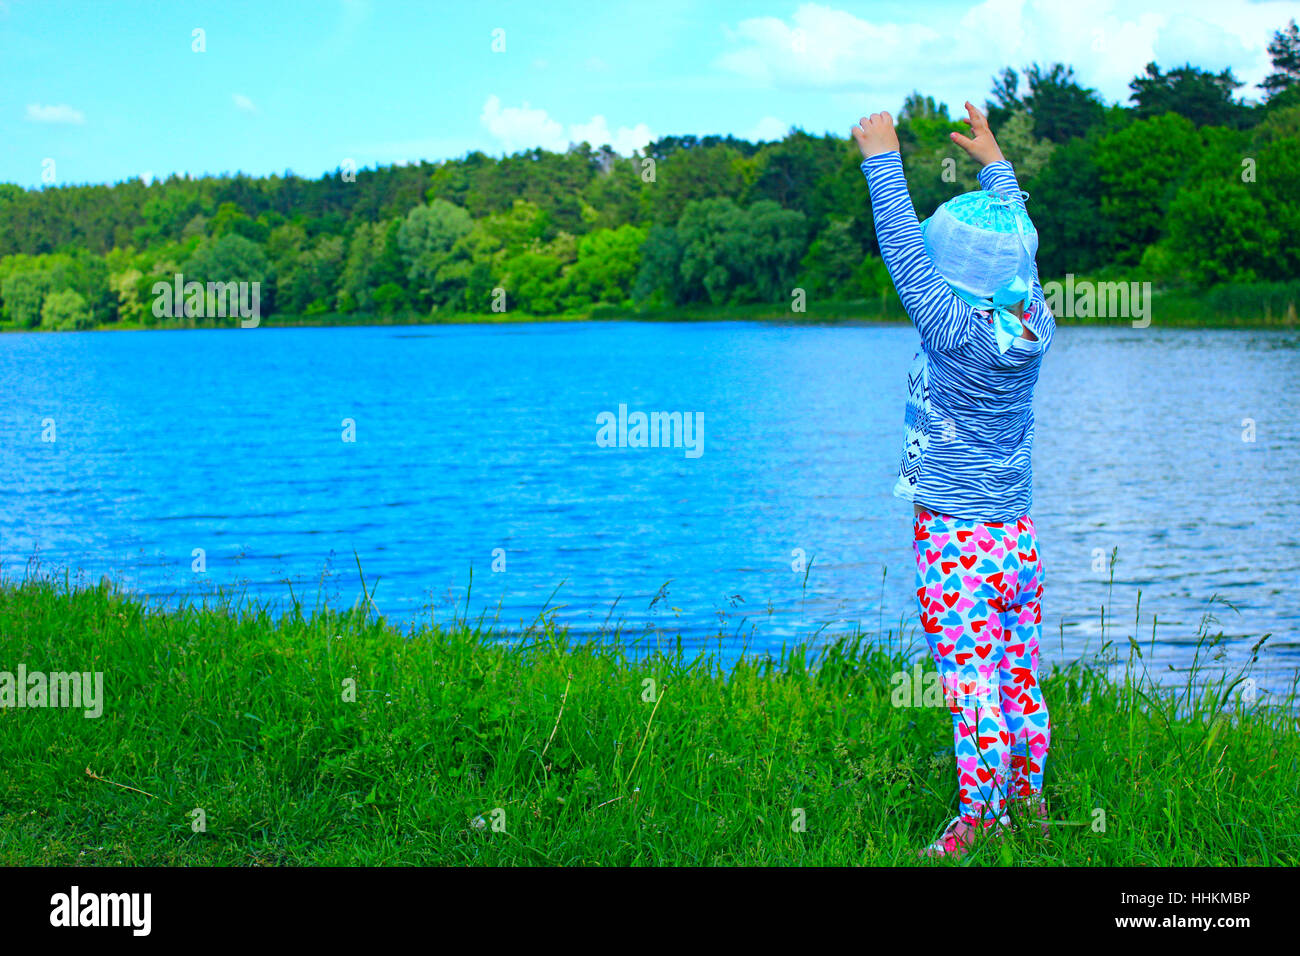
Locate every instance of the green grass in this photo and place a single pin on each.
(1260, 305)
(242, 714)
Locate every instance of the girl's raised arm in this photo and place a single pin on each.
(942, 319)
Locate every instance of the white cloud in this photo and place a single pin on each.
(62, 114)
(521, 127)
(825, 48)
(242, 102)
(1190, 39)
(767, 129)
(1111, 41)
(525, 127)
(1108, 42)
(624, 140)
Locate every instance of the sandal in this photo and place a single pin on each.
(960, 834)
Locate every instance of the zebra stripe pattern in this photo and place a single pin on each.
(973, 421)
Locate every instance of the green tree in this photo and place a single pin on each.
(872, 277)
(937, 169)
(532, 282)
(658, 280)
(1060, 107)
(372, 260)
(606, 268)
(520, 228)
(1279, 124)
(427, 239)
(698, 173)
(739, 255)
(1026, 152)
(796, 171)
(1221, 233)
(1284, 51)
(307, 279)
(231, 258)
(1279, 181)
(126, 287)
(390, 299)
(1205, 98)
(480, 285)
(829, 267)
(66, 310)
(1141, 169)
(617, 194)
(1004, 98)
(1065, 205)
(24, 295)
(482, 257)
(230, 218)
(552, 183)
(167, 210)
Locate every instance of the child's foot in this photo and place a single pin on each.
(1034, 806)
(1040, 810)
(959, 835)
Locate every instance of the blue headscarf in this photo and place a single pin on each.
(976, 237)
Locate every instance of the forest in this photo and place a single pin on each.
(1187, 186)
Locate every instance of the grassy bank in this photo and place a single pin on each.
(463, 750)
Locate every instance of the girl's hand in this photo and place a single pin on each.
(875, 134)
(981, 145)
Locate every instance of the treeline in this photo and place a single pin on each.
(1186, 186)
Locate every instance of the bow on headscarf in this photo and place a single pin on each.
(1007, 326)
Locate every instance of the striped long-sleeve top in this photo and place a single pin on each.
(971, 436)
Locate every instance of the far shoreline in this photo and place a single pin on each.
(1191, 312)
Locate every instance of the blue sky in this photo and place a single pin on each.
(114, 90)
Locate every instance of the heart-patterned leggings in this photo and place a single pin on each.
(978, 585)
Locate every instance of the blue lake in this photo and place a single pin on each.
(472, 441)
